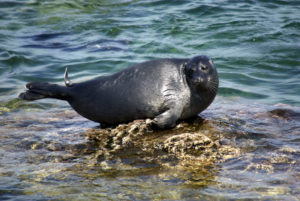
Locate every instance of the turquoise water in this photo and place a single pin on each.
(255, 45)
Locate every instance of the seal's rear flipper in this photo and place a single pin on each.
(40, 90)
(30, 96)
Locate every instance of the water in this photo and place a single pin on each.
(255, 45)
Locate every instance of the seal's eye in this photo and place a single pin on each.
(203, 67)
(191, 71)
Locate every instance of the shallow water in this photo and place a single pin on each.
(44, 149)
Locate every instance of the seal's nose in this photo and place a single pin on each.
(200, 79)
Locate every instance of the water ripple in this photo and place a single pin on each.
(45, 36)
(236, 92)
(52, 41)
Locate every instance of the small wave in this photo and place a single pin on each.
(9, 4)
(15, 59)
(224, 91)
(232, 24)
(292, 25)
(55, 41)
(46, 36)
(101, 45)
(47, 46)
(205, 10)
(285, 114)
(266, 37)
(243, 78)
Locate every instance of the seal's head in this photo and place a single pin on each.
(202, 75)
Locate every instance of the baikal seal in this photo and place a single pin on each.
(164, 90)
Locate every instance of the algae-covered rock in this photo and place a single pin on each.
(197, 142)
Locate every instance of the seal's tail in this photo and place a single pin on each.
(40, 90)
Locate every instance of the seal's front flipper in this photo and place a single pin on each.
(40, 90)
(168, 118)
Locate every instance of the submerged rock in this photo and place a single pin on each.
(195, 150)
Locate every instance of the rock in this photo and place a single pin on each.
(196, 141)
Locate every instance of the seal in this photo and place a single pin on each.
(164, 90)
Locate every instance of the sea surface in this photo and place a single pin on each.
(255, 45)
